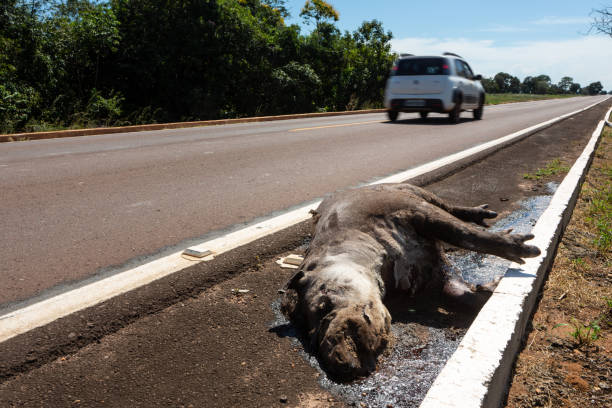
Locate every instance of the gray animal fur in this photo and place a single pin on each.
(374, 238)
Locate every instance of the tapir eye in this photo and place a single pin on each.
(294, 282)
(366, 317)
(324, 307)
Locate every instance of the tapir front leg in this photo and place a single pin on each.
(457, 290)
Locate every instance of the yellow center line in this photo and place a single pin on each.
(332, 126)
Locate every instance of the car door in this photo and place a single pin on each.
(471, 93)
(463, 84)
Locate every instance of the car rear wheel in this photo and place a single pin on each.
(423, 115)
(478, 112)
(392, 115)
(453, 116)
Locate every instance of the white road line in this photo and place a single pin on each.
(334, 126)
(46, 311)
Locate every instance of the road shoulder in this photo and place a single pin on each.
(566, 357)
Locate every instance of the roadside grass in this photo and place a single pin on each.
(496, 99)
(552, 168)
(567, 355)
(600, 210)
(585, 252)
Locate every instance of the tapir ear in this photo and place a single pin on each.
(294, 282)
(315, 216)
(291, 303)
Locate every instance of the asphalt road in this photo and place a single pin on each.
(76, 207)
(190, 340)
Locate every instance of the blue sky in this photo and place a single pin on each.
(519, 37)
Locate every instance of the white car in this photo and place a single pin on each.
(443, 84)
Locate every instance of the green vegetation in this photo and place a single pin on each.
(600, 215)
(599, 212)
(497, 98)
(579, 263)
(587, 333)
(504, 83)
(584, 334)
(84, 63)
(87, 63)
(596, 219)
(552, 168)
(607, 314)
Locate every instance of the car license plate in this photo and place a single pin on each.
(414, 103)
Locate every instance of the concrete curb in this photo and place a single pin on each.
(175, 125)
(478, 373)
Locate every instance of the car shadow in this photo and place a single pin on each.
(433, 121)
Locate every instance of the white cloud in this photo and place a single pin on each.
(503, 29)
(562, 20)
(585, 58)
(545, 21)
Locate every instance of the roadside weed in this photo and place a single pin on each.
(608, 171)
(553, 167)
(578, 263)
(587, 333)
(604, 241)
(600, 216)
(607, 315)
(584, 334)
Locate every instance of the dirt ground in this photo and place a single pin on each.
(567, 357)
(192, 340)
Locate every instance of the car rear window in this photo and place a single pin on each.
(421, 66)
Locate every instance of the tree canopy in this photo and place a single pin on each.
(75, 63)
(89, 62)
(319, 10)
(602, 21)
(503, 82)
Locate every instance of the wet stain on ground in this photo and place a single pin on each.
(478, 268)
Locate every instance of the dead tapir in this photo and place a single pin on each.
(374, 238)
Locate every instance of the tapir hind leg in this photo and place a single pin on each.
(433, 222)
(471, 214)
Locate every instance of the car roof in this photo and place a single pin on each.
(444, 55)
